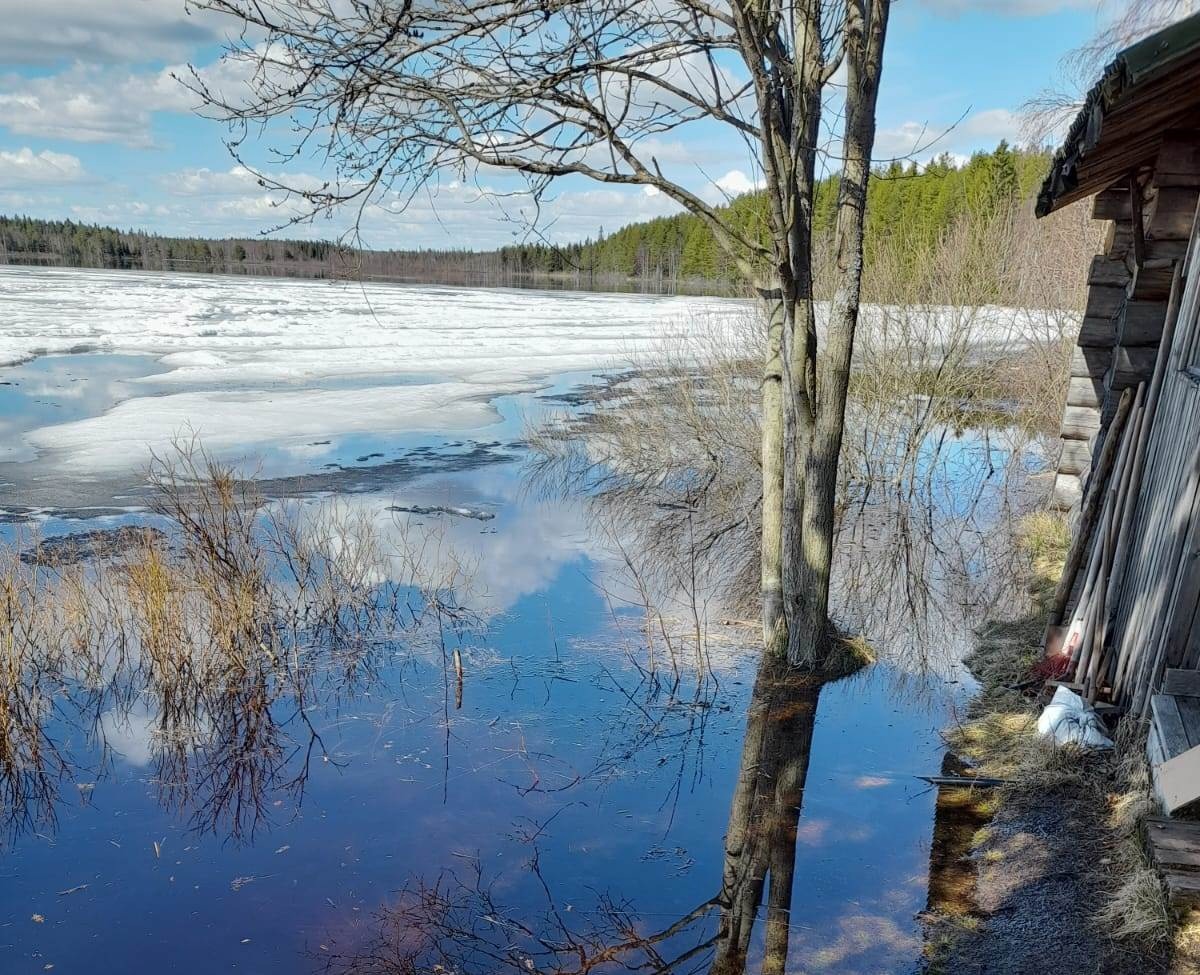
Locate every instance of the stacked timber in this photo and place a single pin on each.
(1126, 606)
(1151, 214)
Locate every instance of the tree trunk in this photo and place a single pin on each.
(813, 391)
(761, 839)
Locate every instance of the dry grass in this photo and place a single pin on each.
(228, 629)
(1102, 799)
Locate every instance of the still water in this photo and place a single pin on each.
(574, 811)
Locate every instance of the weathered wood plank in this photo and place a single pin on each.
(1084, 391)
(1111, 204)
(1141, 323)
(1152, 281)
(1177, 780)
(1108, 271)
(1182, 860)
(1154, 749)
(1130, 366)
(1098, 330)
(1172, 734)
(1067, 492)
(1104, 301)
(1185, 683)
(1171, 213)
(1189, 711)
(1178, 162)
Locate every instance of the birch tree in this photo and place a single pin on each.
(394, 93)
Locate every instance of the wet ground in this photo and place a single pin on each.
(572, 812)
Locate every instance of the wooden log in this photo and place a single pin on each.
(1108, 272)
(1084, 391)
(1080, 422)
(1090, 511)
(1075, 457)
(1104, 301)
(1169, 215)
(1178, 162)
(1098, 330)
(1152, 280)
(1141, 323)
(1111, 204)
(1130, 366)
(1066, 493)
(1092, 361)
(1165, 250)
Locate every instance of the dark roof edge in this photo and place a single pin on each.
(1133, 66)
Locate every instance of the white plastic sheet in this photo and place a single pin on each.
(1070, 721)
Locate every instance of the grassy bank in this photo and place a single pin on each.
(1060, 869)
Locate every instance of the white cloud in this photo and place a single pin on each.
(925, 139)
(733, 183)
(87, 103)
(24, 167)
(41, 32)
(98, 103)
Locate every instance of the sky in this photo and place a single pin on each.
(95, 128)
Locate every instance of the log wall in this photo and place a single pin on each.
(1128, 287)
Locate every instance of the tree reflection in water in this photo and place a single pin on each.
(460, 924)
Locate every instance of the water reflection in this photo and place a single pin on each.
(468, 921)
(305, 758)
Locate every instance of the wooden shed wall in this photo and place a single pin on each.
(1154, 619)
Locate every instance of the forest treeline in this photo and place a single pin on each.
(908, 210)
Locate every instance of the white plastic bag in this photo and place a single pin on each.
(1069, 721)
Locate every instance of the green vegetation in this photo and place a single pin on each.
(908, 212)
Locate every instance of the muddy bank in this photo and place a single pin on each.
(1048, 868)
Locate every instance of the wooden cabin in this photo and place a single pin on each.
(1125, 615)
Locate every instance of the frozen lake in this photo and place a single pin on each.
(246, 364)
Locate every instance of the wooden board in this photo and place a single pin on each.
(1175, 849)
(1172, 735)
(1177, 780)
(1181, 682)
(1189, 710)
(1141, 323)
(1154, 749)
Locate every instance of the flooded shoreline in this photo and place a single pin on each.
(466, 741)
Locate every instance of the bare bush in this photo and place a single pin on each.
(949, 401)
(223, 633)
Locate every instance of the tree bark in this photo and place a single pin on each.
(761, 839)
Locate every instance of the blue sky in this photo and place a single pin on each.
(93, 127)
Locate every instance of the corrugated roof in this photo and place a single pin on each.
(1079, 168)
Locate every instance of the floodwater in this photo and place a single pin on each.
(580, 808)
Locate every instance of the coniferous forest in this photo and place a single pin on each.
(908, 208)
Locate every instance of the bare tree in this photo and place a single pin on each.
(393, 93)
(1048, 112)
